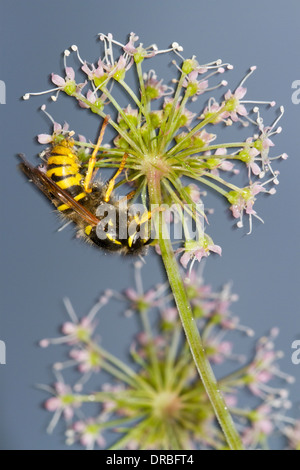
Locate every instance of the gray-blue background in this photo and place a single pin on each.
(40, 266)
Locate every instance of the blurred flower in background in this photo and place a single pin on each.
(159, 402)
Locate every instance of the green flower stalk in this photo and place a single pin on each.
(166, 145)
(161, 403)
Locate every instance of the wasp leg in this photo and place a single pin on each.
(147, 215)
(142, 220)
(139, 221)
(92, 160)
(112, 181)
(128, 196)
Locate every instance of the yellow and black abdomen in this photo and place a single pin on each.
(63, 168)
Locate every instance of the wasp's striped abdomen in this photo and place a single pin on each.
(63, 168)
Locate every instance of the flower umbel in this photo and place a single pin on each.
(161, 403)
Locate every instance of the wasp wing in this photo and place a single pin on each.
(52, 190)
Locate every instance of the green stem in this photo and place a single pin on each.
(116, 422)
(112, 151)
(221, 181)
(133, 95)
(188, 322)
(139, 429)
(147, 106)
(176, 121)
(171, 357)
(98, 397)
(236, 375)
(211, 185)
(117, 374)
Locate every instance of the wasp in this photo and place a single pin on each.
(89, 204)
